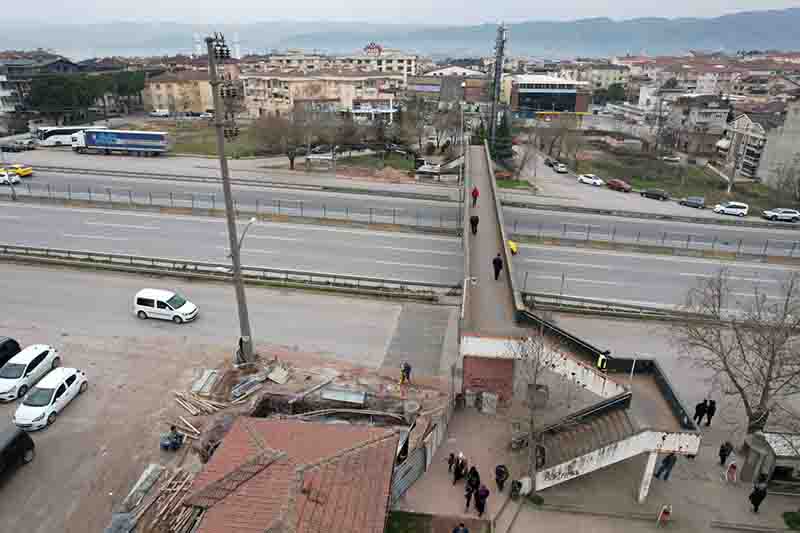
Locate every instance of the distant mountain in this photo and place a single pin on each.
(773, 29)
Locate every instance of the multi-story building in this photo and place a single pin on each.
(599, 76)
(532, 94)
(373, 58)
(781, 145)
(179, 92)
(698, 122)
(8, 98)
(19, 74)
(455, 71)
(742, 146)
(366, 94)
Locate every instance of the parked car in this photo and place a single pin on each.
(732, 208)
(49, 397)
(671, 159)
(548, 162)
(655, 194)
(618, 185)
(698, 202)
(561, 168)
(8, 177)
(8, 349)
(16, 447)
(159, 113)
(26, 144)
(23, 171)
(321, 149)
(591, 179)
(359, 146)
(11, 147)
(788, 215)
(207, 115)
(23, 370)
(165, 305)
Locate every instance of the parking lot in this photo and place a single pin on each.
(87, 461)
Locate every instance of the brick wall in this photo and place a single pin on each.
(484, 374)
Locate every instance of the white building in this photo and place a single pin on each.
(743, 145)
(455, 71)
(7, 99)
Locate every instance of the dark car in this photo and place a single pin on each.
(8, 349)
(321, 149)
(618, 185)
(656, 194)
(548, 162)
(359, 146)
(11, 148)
(16, 447)
(698, 202)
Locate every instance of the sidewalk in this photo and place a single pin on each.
(491, 302)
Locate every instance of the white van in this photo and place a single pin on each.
(166, 305)
(732, 208)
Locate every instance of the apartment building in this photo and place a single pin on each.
(179, 92)
(373, 58)
(365, 94)
(699, 122)
(599, 76)
(742, 146)
(8, 98)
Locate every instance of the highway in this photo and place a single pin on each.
(341, 250)
(312, 203)
(773, 241)
(636, 278)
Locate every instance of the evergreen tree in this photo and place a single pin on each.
(503, 148)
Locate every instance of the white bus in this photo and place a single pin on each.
(59, 135)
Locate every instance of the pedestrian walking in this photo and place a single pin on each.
(451, 461)
(475, 194)
(666, 466)
(406, 370)
(500, 476)
(759, 492)
(711, 411)
(700, 411)
(725, 450)
(497, 264)
(473, 221)
(461, 528)
(473, 479)
(469, 492)
(459, 468)
(480, 499)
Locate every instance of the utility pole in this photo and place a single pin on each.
(499, 53)
(225, 126)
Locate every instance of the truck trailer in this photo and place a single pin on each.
(142, 143)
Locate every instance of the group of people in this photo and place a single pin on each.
(497, 261)
(474, 490)
(705, 409)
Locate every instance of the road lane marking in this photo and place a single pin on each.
(395, 263)
(98, 237)
(246, 251)
(112, 225)
(269, 237)
(738, 278)
(580, 280)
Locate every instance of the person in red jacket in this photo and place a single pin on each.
(475, 195)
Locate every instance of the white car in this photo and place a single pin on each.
(44, 401)
(561, 168)
(8, 178)
(732, 208)
(671, 159)
(206, 115)
(591, 179)
(165, 305)
(22, 371)
(788, 215)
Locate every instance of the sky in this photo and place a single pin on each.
(388, 11)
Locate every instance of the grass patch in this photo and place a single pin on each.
(681, 181)
(375, 161)
(792, 519)
(512, 184)
(402, 522)
(198, 137)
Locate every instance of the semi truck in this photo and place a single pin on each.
(141, 143)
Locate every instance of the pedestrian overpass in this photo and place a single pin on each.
(626, 409)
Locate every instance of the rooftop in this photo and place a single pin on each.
(544, 79)
(306, 476)
(180, 75)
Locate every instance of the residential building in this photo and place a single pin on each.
(181, 91)
(782, 145)
(532, 94)
(599, 76)
(288, 475)
(365, 94)
(8, 98)
(742, 146)
(20, 72)
(455, 71)
(373, 58)
(699, 122)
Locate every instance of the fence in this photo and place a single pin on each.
(613, 233)
(441, 217)
(224, 271)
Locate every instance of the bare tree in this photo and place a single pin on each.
(533, 358)
(750, 346)
(526, 149)
(276, 133)
(786, 180)
(414, 119)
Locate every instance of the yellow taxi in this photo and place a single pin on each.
(23, 171)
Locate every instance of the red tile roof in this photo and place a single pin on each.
(308, 476)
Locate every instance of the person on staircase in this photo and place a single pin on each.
(667, 465)
(500, 476)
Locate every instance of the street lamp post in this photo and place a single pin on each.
(217, 49)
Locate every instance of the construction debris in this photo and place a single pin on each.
(170, 513)
(142, 486)
(205, 384)
(197, 406)
(279, 375)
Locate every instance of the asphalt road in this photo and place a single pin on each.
(340, 250)
(264, 199)
(772, 241)
(636, 278)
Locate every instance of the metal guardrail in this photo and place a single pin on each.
(224, 271)
(447, 218)
(557, 302)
